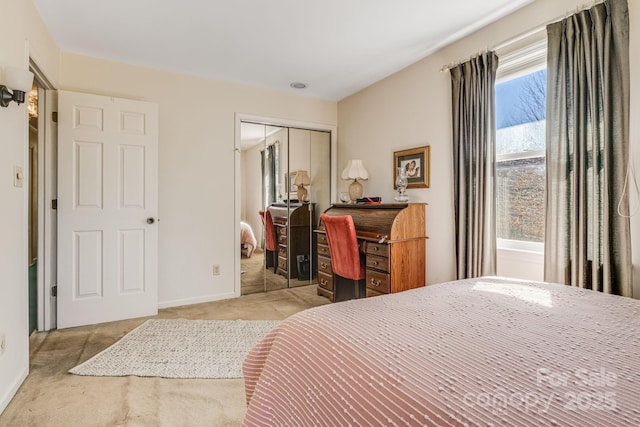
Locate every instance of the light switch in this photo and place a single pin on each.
(18, 176)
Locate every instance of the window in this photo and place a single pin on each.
(520, 149)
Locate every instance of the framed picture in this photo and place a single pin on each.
(290, 189)
(415, 162)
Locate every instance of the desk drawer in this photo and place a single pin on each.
(325, 281)
(381, 249)
(378, 281)
(324, 265)
(324, 250)
(282, 251)
(322, 239)
(282, 264)
(378, 262)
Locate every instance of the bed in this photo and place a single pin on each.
(487, 351)
(247, 238)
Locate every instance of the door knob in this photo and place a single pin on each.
(150, 220)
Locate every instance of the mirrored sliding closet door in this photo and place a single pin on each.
(286, 185)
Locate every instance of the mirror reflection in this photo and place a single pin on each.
(286, 185)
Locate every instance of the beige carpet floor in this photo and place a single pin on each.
(255, 277)
(52, 397)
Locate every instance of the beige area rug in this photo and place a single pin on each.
(180, 348)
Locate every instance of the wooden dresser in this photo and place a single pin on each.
(294, 228)
(392, 238)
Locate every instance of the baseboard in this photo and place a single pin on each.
(6, 398)
(199, 300)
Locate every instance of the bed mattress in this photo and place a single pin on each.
(487, 351)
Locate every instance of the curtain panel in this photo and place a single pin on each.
(587, 239)
(270, 174)
(474, 129)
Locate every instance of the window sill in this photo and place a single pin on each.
(520, 246)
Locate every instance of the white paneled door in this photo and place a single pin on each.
(107, 208)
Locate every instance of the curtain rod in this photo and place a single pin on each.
(517, 38)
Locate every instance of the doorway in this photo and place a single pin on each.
(32, 195)
(41, 194)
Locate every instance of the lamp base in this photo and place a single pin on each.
(303, 194)
(401, 197)
(355, 191)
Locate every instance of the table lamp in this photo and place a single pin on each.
(355, 170)
(302, 179)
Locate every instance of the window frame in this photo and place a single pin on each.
(526, 57)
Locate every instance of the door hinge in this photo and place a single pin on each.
(54, 204)
(54, 291)
(54, 117)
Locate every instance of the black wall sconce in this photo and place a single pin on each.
(17, 80)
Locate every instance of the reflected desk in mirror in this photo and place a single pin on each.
(294, 230)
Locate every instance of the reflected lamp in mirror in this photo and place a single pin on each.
(16, 82)
(355, 170)
(302, 179)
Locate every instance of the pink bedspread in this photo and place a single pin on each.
(248, 238)
(486, 351)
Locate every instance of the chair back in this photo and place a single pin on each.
(270, 231)
(343, 246)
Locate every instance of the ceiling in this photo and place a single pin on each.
(336, 47)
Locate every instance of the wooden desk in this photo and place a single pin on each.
(393, 240)
(293, 225)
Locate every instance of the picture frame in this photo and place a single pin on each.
(290, 189)
(417, 162)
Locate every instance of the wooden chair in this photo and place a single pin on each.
(270, 243)
(345, 254)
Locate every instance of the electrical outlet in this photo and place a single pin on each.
(216, 270)
(3, 343)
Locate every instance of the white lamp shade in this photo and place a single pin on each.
(18, 79)
(302, 178)
(355, 170)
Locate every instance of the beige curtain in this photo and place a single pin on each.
(473, 96)
(587, 241)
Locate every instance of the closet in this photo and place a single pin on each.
(286, 171)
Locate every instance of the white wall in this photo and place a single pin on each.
(413, 108)
(196, 166)
(320, 174)
(299, 150)
(22, 34)
(520, 264)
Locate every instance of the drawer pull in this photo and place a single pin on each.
(323, 265)
(324, 282)
(376, 249)
(375, 282)
(374, 262)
